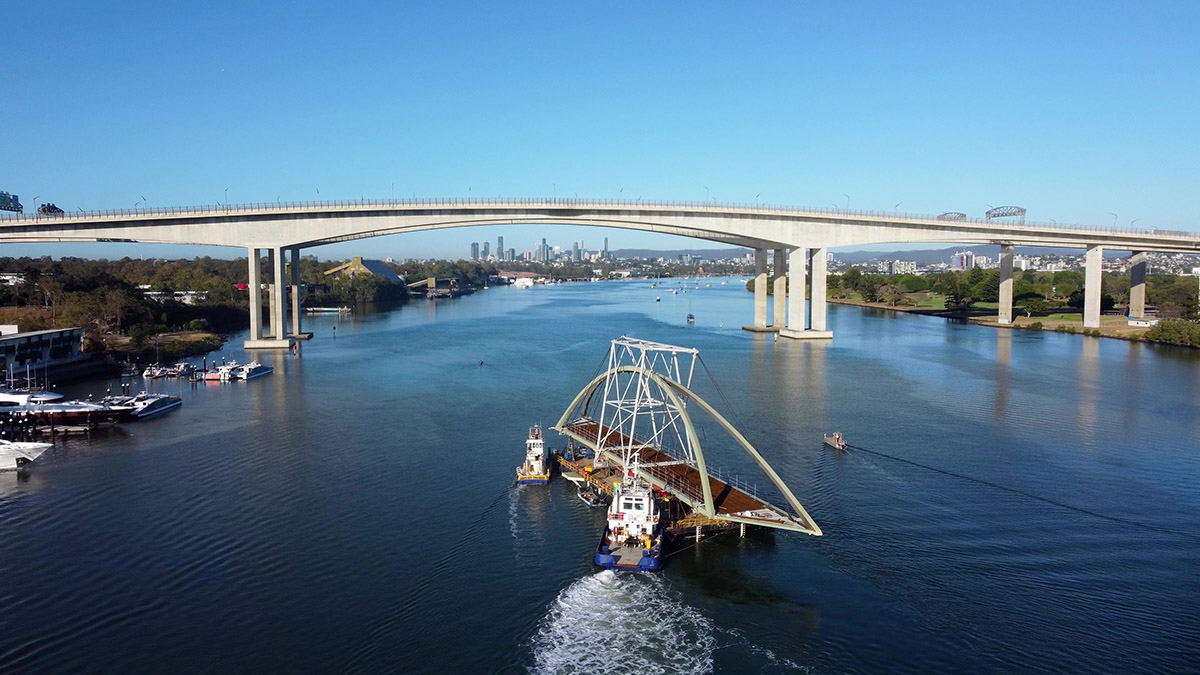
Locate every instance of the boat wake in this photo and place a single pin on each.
(610, 623)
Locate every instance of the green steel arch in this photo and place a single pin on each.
(675, 391)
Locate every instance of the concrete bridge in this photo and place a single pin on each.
(800, 238)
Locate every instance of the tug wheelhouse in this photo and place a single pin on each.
(535, 470)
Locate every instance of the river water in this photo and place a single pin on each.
(1015, 502)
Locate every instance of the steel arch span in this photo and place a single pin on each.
(684, 474)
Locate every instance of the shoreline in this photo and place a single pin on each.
(1116, 327)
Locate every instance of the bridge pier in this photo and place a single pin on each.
(1006, 284)
(1137, 285)
(1091, 286)
(796, 328)
(760, 292)
(294, 279)
(254, 290)
(275, 294)
(779, 312)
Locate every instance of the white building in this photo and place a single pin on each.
(903, 267)
(963, 261)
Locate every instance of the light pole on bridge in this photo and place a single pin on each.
(1114, 218)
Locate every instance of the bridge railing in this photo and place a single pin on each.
(267, 208)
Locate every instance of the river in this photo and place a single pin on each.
(1014, 501)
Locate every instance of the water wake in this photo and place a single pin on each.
(610, 623)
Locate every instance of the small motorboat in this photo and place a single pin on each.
(691, 318)
(590, 497)
(658, 298)
(835, 441)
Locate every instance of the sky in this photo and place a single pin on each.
(1081, 112)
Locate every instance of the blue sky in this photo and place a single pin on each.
(1075, 111)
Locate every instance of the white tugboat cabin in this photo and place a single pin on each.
(535, 470)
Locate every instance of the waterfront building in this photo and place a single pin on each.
(358, 266)
(39, 349)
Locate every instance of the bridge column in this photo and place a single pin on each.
(1091, 286)
(257, 339)
(798, 279)
(1137, 285)
(272, 291)
(254, 290)
(760, 291)
(1006, 284)
(796, 329)
(278, 300)
(294, 279)
(820, 266)
(779, 312)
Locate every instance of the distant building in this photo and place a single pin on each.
(12, 278)
(963, 261)
(474, 250)
(486, 249)
(500, 247)
(903, 267)
(370, 267)
(1021, 262)
(40, 349)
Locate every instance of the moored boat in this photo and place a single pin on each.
(835, 441)
(249, 371)
(156, 371)
(221, 373)
(145, 404)
(589, 496)
(535, 470)
(16, 455)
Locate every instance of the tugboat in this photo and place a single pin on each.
(633, 538)
(835, 441)
(535, 470)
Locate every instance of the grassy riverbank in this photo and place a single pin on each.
(985, 313)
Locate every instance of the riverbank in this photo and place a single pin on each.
(1111, 326)
(163, 347)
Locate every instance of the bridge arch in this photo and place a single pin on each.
(680, 396)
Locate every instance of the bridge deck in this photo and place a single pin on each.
(684, 480)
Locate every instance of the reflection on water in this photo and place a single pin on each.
(1004, 338)
(1088, 385)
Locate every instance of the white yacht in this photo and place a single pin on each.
(145, 404)
(15, 455)
(251, 370)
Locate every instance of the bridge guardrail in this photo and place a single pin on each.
(268, 207)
